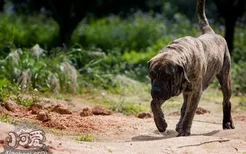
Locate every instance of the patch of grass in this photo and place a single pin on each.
(27, 101)
(127, 108)
(86, 138)
(6, 119)
(7, 89)
(110, 151)
(23, 101)
(241, 104)
(173, 104)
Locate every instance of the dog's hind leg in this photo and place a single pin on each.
(158, 115)
(224, 78)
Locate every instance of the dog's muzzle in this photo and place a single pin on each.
(156, 91)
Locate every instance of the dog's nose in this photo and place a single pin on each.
(155, 91)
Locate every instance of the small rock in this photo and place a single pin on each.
(176, 113)
(86, 112)
(35, 108)
(200, 110)
(10, 105)
(61, 110)
(2, 142)
(49, 107)
(43, 116)
(144, 115)
(100, 110)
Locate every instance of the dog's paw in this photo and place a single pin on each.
(183, 133)
(228, 125)
(162, 127)
(161, 124)
(178, 128)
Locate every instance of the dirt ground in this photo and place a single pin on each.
(121, 134)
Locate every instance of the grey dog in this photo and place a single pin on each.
(188, 65)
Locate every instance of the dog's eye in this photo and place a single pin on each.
(151, 75)
(166, 76)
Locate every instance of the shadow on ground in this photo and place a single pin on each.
(166, 135)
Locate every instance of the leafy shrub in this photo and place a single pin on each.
(239, 78)
(6, 89)
(134, 33)
(26, 31)
(239, 51)
(31, 68)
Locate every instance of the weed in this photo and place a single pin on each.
(110, 150)
(242, 103)
(26, 101)
(4, 118)
(86, 138)
(127, 108)
(23, 101)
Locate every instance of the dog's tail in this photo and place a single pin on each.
(202, 19)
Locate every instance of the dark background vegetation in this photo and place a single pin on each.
(72, 46)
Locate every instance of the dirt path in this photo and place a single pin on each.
(121, 134)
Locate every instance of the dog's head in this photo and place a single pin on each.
(168, 77)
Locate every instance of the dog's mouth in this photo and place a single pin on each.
(161, 91)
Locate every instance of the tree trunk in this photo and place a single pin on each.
(230, 24)
(66, 29)
(1, 5)
(65, 33)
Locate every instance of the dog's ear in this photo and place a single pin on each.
(181, 68)
(148, 64)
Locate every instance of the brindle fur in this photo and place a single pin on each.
(188, 65)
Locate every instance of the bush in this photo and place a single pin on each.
(31, 69)
(239, 51)
(25, 31)
(134, 33)
(239, 78)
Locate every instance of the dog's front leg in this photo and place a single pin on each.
(192, 99)
(183, 109)
(158, 114)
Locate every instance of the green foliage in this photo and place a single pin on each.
(32, 69)
(239, 78)
(239, 51)
(26, 31)
(86, 138)
(23, 101)
(101, 49)
(26, 101)
(6, 89)
(4, 118)
(135, 33)
(126, 107)
(242, 103)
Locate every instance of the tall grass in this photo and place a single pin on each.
(31, 69)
